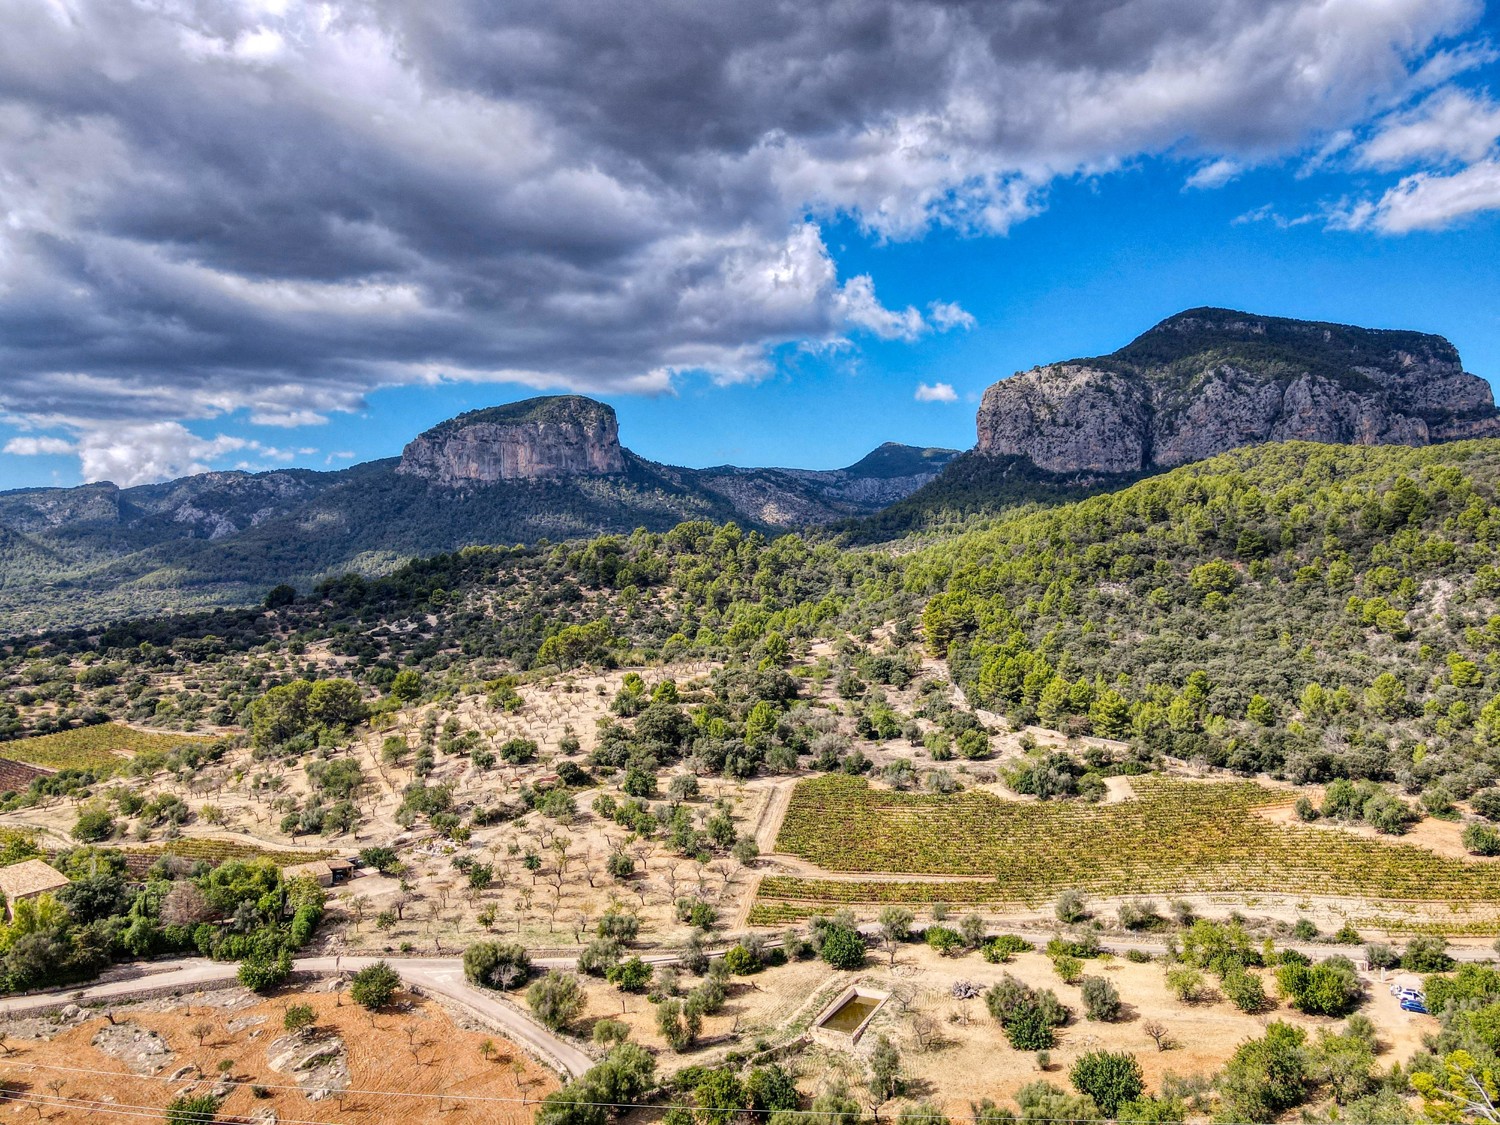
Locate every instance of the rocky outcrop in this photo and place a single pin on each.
(1211, 380)
(318, 1061)
(42, 509)
(543, 438)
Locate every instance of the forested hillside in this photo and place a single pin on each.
(1313, 610)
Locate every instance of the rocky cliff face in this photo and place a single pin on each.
(541, 438)
(1210, 380)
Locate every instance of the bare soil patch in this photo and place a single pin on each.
(399, 1062)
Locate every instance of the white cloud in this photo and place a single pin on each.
(1214, 175)
(946, 316)
(1453, 125)
(148, 452)
(38, 446)
(936, 392)
(1427, 201)
(858, 306)
(490, 204)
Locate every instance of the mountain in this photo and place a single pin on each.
(546, 468)
(1209, 380)
(539, 439)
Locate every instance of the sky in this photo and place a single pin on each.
(263, 233)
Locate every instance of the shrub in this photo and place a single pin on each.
(94, 826)
(192, 1109)
(1000, 949)
(1110, 1078)
(1101, 999)
(600, 956)
(1185, 983)
(1481, 839)
(843, 948)
(1329, 988)
(495, 964)
(374, 986)
(741, 960)
(608, 1032)
(1426, 955)
(944, 940)
(556, 999)
(1071, 907)
(631, 976)
(1069, 968)
(679, 1023)
(263, 971)
(298, 1016)
(1245, 991)
(1026, 1015)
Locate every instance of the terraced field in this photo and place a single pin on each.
(100, 748)
(1176, 837)
(214, 852)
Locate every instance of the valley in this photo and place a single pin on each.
(1162, 776)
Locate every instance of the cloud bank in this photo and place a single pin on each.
(214, 206)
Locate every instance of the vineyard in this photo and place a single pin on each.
(1176, 837)
(15, 776)
(101, 748)
(214, 852)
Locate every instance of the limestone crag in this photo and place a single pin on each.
(1210, 380)
(547, 438)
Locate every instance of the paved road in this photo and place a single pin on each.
(443, 976)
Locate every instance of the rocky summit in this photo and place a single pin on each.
(1209, 380)
(539, 439)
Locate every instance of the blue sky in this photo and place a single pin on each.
(1078, 247)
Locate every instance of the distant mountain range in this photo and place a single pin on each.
(1199, 383)
(547, 468)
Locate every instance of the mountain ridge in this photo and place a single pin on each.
(1207, 380)
(548, 468)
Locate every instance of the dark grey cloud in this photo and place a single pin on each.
(275, 206)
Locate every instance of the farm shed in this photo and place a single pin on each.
(324, 872)
(27, 879)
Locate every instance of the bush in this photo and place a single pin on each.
(1481, 839)
(679, 1023)
(263, 971)
(298, 1016)
(1026, 1015)
(843, 948)
(1071, 907)
(1382, 956)
(1101, 999)
(1426, 955)
(741, 960)
(1185, 983)
(1110, 1078)
(1070, 969)
(192, 1109)
(631, 976)
(1245, 991)
(1329, 988)
(1000, 949)
(556, 1000)
(374, 986)
(495, 964)
(94, 826)
(944, 940)
(600, 956)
